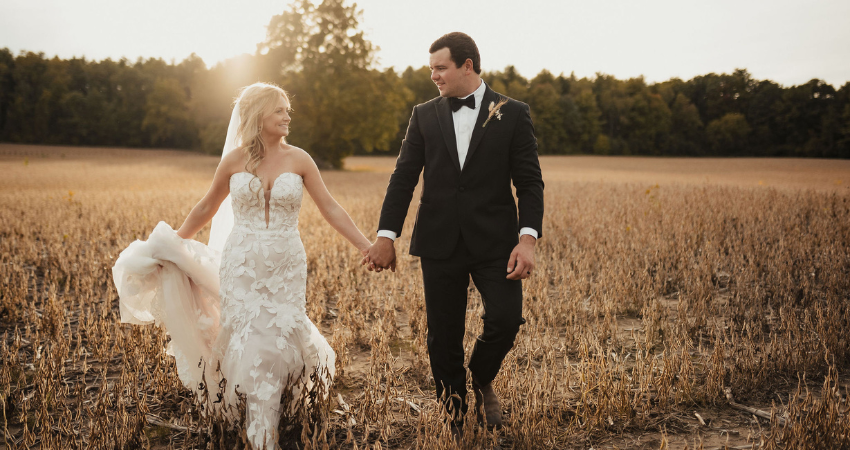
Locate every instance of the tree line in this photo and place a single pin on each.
(344, 105)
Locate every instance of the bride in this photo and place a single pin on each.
(235, 310)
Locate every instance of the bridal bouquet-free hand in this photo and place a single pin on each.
(494, 111)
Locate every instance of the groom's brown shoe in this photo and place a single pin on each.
(486, 400)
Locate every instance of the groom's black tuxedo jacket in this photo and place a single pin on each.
(475, 202)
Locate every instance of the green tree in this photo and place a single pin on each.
(509, 82)
(614, 102)
(167, 118)
(717, 95)
(214, 90)
(344, 105)
(728, 134)
(808, 119)
(7, 88)
(419, 83)
(127, 108)
(646, 120)
(327, 62)
(765, 105)
(28, 116)
(686, 128)
(420, 89)
(842, 107)
(589, 124)
(544, 99)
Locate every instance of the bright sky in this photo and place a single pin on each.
(787, 41)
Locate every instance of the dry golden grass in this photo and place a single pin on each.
(661, 283)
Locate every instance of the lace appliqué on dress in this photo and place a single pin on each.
(246, 314)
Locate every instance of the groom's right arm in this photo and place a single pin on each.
(408, 166)
(405, 177)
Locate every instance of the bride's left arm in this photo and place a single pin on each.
(333, 213)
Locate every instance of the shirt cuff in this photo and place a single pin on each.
(525, 230)
(391, 234)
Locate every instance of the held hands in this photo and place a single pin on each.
(380, 256)
(521, 263)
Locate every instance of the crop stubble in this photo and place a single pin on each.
(659, 284)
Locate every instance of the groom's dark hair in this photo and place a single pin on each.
(461, 46)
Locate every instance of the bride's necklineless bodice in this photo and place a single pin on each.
(252, 204)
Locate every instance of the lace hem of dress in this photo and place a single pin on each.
(230, 351)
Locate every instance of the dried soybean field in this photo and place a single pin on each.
(674, 300)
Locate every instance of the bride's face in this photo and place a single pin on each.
(277, 123)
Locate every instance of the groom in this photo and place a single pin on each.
(472, 143)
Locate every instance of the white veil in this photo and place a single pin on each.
(222, 222)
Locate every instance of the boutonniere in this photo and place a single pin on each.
(495, 111)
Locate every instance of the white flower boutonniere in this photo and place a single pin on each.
(494, 111)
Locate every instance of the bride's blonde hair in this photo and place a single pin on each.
(255, 103)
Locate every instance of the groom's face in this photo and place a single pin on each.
(446, 75)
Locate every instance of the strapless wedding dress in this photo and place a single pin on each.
(237, 320)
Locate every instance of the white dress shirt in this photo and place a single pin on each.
(464, 122)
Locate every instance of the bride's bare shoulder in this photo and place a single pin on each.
(301, 159)
(234, 161)
(297, 152)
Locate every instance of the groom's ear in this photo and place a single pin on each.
(468, 66)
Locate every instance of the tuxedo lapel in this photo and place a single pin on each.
(444, 116)
(478, 131)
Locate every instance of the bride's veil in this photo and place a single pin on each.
(222, 222)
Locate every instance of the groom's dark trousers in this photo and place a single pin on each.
(467, 224)
(446, 282)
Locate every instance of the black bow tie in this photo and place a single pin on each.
(458, 103)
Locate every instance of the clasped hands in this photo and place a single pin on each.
(381, 256)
